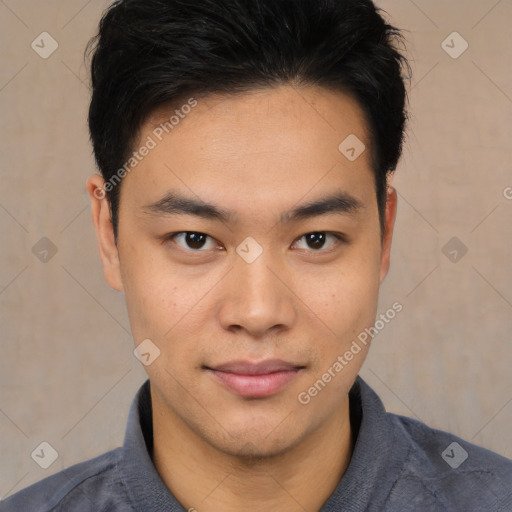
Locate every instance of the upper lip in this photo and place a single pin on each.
(252, 368)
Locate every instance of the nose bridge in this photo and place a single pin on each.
(256, 300)
(256, 278)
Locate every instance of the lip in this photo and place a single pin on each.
(255, 380)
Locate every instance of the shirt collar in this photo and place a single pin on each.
(377, 458)
(146, 489)
(376, 447)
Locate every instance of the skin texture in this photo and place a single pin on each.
(258, 154)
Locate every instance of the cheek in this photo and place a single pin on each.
(152, 297)
(167, 304)
(344, 295)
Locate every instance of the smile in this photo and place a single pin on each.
(259, 380)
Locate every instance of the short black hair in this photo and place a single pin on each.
(150, 53)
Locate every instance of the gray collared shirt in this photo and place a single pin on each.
(398, 464)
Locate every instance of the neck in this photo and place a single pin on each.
(203, 478)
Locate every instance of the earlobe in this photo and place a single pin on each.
(104, 231)
(389, 223)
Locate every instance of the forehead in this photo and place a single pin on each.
(326, 112)
(265, 142)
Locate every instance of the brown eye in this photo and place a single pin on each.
(191, 240)
(317, 240)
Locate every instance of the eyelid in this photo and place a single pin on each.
(172, 236)
(340, 239)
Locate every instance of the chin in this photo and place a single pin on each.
(255, 447)
(254, 453)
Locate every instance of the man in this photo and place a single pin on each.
(244, 209)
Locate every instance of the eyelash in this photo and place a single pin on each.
(340, 239)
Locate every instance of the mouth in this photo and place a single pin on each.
(255, 380)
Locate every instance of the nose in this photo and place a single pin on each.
(257, 299)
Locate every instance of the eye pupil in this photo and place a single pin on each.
(316, 239)
(195, 240)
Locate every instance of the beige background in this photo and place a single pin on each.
(67, 372)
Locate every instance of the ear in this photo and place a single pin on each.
(389, 224)
(105, 231)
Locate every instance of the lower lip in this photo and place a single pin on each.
(255, 386)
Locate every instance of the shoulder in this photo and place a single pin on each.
(451, 470)
(92, 485)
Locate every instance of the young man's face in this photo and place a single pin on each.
(206, 301)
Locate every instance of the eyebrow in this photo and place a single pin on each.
(173, 203)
